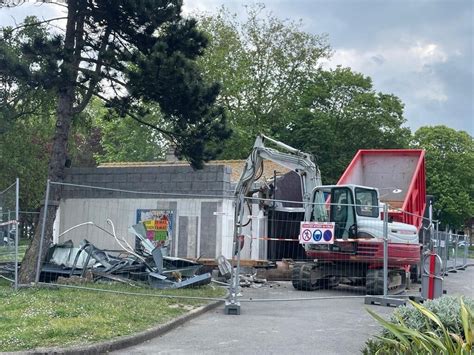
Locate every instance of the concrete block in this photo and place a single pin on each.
(147, 177)
(101, 178)
(212, 176)
(120, 178)
(212, 168)
(169, 186)
(146, 186)
(184, 186)
(199, 176)
(199, 186)
(220, 175)
(217, 186)
(92, 178)
(81, 171)
(163, 176)
(179, 176)
(133, 178)
(185, 169)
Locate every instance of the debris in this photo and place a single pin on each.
(251, 280)
(225, 268)
(145, 265)
(282, 271)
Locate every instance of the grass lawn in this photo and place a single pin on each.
(8, 253)
(44, 317)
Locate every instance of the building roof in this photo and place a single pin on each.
(236, 166)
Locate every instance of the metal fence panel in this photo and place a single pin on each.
(106, 236)
(9, 233)
(350, 264)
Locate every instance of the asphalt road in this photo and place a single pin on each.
(324, 326)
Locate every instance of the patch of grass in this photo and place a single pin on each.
(44, 317)
(7, 253)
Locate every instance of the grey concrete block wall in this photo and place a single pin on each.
(117, 193)
(211, 180)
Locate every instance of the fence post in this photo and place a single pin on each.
(17, 218)
(45, 213)
(232, 305)
(385, 250)
(466, 251)
(384, 300)
(456, 251)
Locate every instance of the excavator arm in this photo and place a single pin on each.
(291, 158)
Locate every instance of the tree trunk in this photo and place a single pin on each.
(64, 114)
(56, 174)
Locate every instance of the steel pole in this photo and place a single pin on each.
(45, 213)
(17, 218)
(385, 250)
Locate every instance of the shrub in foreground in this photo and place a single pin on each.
(444, 325)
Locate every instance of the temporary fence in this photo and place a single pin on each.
(348, 249)
(9, 233)
(453, 250)
(103, 236)
(344, 249)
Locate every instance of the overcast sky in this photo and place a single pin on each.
(419, 50)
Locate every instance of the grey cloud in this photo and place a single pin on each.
(378, 59)
(366, 25)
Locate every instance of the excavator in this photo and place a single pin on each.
(356, 255)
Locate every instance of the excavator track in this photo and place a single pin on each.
(315, 276)
(397, 282)
(312, 276)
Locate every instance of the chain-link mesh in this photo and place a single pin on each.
(340, 253)
(105, 237)
(9, 216)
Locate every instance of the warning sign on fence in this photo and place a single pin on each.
(316, 233)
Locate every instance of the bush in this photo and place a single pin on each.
(444, 325)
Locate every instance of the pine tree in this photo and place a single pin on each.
(132, 54)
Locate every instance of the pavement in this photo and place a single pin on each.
(324, 326)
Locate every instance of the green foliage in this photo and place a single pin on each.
(132, 55)
(262, 65)
(450, 177)
(340, 113)
(26, 118)
(444, 325)
(24, 152)
(125, 140)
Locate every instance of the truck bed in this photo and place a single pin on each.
(398, 174)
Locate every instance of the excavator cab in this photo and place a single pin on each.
(342, 212)
(346, 204)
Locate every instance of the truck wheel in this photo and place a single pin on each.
(303, 277)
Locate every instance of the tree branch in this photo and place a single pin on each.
(92, 85)
(106, 76)
(37, 23)
(170, 135)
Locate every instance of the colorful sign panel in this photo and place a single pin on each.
(158, 225)
(316, 233)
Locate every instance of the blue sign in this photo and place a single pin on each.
(317, 234)
(327, 235)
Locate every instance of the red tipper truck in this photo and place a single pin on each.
(398, 174)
